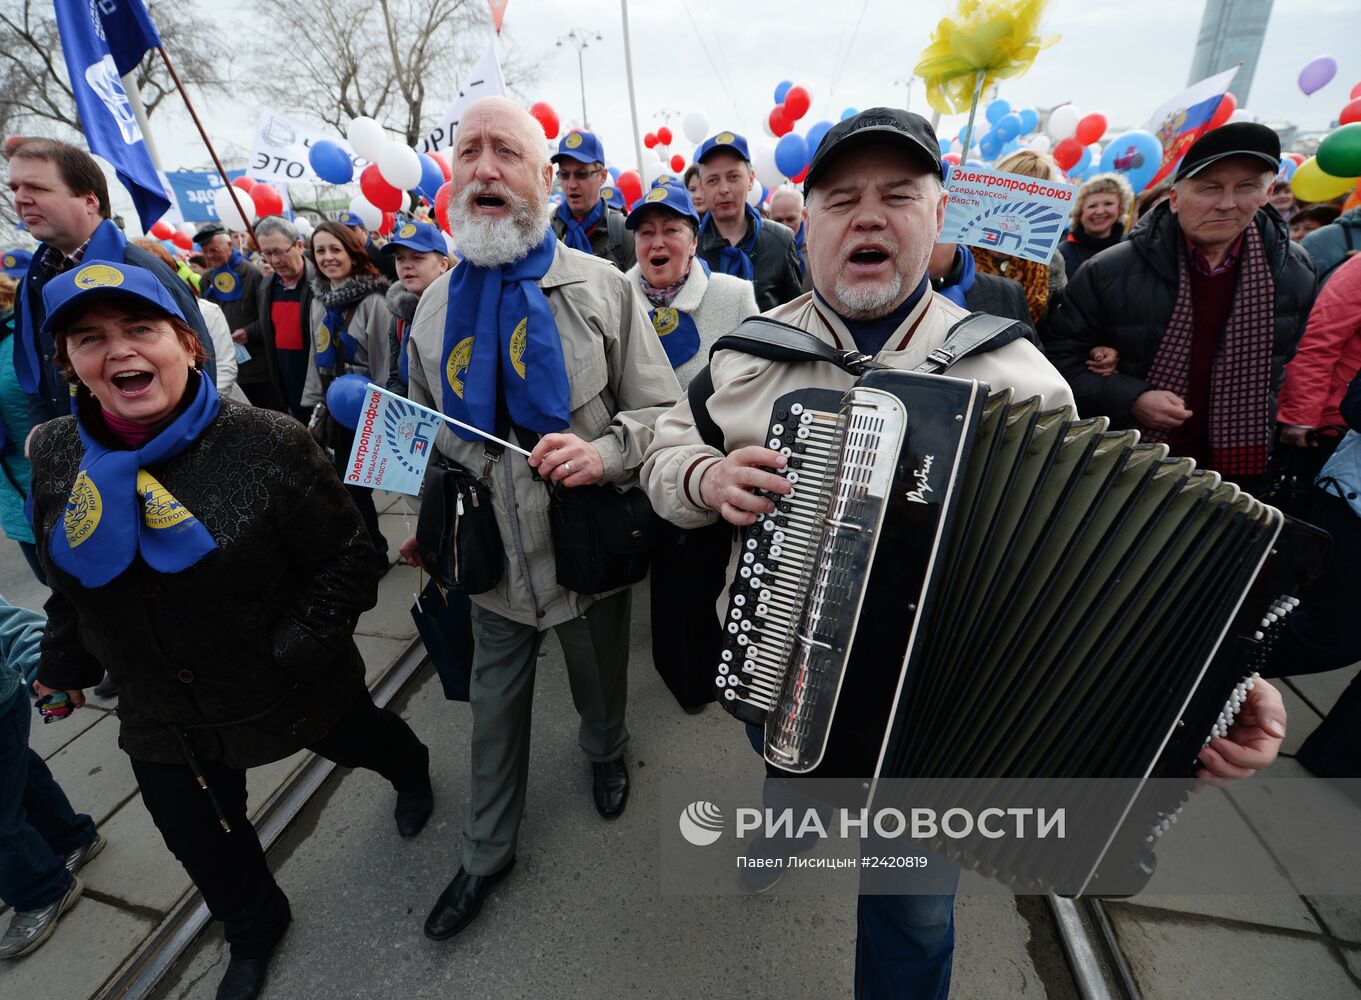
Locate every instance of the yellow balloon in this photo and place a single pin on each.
(1311, 184)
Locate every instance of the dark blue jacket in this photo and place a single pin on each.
(54, 395)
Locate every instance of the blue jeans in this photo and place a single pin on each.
(37, 824)
(905, 941)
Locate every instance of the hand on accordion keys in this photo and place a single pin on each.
(1252, 743)
(731, 487)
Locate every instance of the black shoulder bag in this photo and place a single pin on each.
(456, 533)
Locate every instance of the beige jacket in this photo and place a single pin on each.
(369, 326)
(620, 382)
(745, 390)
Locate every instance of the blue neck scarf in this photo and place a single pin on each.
(500, 335)
(106, 243)
(403, 360)
(799, 244)
(679, 335)
(223, 285)
(956, 290)
(334, 330)
(577, 233)
(737, 260)
(117, 509)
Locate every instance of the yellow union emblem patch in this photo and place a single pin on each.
(83, 510)
(323, 338)
(656, 194)
(724, 139)
(98, 276)
(665, 320)
(457, 365)
(10, 260)
(225, 282)
(408, 231)
(517, 346)
(159, 508)
(573, 140)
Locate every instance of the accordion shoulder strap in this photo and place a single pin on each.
(776, 341)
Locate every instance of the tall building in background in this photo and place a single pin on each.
(1230, 31)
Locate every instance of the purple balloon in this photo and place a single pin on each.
(1317, 74)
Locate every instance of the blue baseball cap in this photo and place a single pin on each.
(15, 262)
(730, 141)
(668, 196)
(611, 196)
(419, 236)
(582, 146)
(666, 179)
(351, 219)
(67, 293)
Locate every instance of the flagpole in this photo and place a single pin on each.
(235, 191)
(139, 112)
(633, 101)
(973, 110)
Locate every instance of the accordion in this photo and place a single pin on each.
(964, 586)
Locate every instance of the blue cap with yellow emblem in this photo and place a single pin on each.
(729, 142)
(67, 294)
(15, 262)
(419, 236)
(351, 219)
(665, 179)
(672, 197)
(613, 197)
(581, 146)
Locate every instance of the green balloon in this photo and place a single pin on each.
(1340, 153)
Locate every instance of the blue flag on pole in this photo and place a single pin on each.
(101, 42)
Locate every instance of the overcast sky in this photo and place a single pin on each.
(1113, 56)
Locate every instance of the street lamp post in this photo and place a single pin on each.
(581, 40)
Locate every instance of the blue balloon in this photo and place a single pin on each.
(1008, 127)
(1083, 162)
(815, 134)
(432, 177)
(976, 164)
(1136, 154)
(945, 145)
(998, 109)
(791, 154)
(614, 173)
(781, 89)
(345, 399)
(1010, 147)
(849, 113)
(330, 162)
(990, 146)
(1030, 118)
(1288, 168)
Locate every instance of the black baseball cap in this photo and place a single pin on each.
(903, 128)
(209, 231)
(1233, 139)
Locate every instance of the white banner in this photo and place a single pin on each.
(483, 80)
(280, 151)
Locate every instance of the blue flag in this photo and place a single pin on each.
(101, 42)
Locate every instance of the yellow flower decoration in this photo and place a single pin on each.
(999, 37)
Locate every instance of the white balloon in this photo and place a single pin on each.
(1241, 115)
(399, 165)
(1041, 143)
(1062, 123)
(226, 208)
(651, 171)
(304, 226)
(695, 125)
(756, 195)
(367, 138)
(368, 212)
(763, 161)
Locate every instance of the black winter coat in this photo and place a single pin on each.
(1078, 247)
(1123, 298)
(776, 271)
(249, 654)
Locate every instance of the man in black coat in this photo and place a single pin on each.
(733, 237)
(1204, 304)
(285, 303)
(951, 268)
(234, 284)
(61, 195)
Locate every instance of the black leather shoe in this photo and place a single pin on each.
(413, 809)
(244, 980)
(610, 787)
(460, 902)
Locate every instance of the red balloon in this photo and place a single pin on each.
(1299, 158)
(779, 121)
(244, 183)
(547, 117)
(162, 230)
(797, 101)
(799, 177)
(1350, 113)
(664, 136)
(182, 240)
(1356, 92)
(389, 220)
(442, 205)
(442, 163)
(951, 158)
(1067, 152)
(677, 163)
(267, 200)
(630, 185)
(1090, 129)
(379, 192)
(1227, 105)
(650, 140)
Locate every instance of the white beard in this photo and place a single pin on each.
(489, 242)
(864, 302)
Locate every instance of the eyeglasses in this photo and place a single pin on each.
(579, 176)
(277, 254)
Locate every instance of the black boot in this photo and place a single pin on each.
(460, 902)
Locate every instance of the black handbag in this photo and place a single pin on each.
(456, 533)
(443, 618)
(602, 538)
